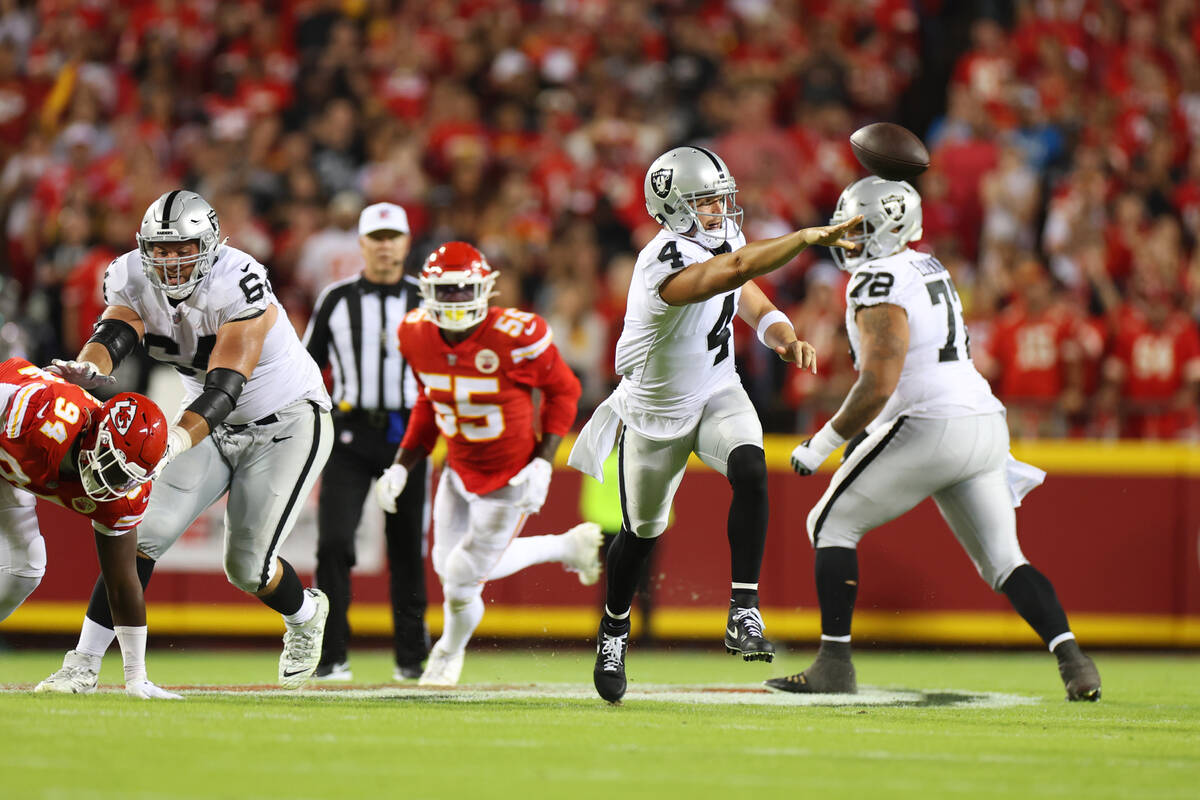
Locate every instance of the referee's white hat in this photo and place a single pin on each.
(382, 217)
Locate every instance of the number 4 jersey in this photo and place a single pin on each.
(182, 333)
(672, 359)
(939, 379)
(43, 415)
(478, 393)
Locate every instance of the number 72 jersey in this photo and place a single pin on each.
(939, 379)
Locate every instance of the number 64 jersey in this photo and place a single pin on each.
(939, 380)
(479, 393)
(183, 333)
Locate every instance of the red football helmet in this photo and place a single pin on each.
(123, 447)
(456, 283)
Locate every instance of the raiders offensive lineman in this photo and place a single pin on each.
(679, 392)
(256, 423)
(932, 428)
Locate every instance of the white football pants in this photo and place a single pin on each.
(651, 470)
(22, 548)
(959, 462)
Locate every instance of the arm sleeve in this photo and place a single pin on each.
(422, 430)
(537, 363)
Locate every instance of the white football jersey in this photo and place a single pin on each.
(182, 334)
(672, 359)
(939, 380)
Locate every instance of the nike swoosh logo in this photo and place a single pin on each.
(246, 268)
(296, 672)
(280, 438)
(532, 327)
(731, 632)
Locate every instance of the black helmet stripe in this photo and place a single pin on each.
(166, 221)
(716, 162)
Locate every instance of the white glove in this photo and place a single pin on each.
(84, 374)
(178, 441)
(812, 453)
(143, 688)
(535, 477)
(389, 486)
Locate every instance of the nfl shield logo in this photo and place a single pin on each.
(660, 182)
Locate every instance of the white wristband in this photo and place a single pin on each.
(133, 650)
(769, 319)
(178, 441)
(825, 441)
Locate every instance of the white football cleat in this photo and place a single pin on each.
(585, 541)
(302, 645)
(333, 672)
(442, 669)
(79, 674)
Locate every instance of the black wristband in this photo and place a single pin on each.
(222, 387)
(117, 337)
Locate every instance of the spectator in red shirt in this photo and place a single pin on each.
(1154, 367)
(1036, 356)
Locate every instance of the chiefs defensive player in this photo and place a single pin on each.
(61, 444)
(476, 368)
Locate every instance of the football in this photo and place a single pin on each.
(890, 151)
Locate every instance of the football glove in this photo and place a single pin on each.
(143, 688)
(84, 374)
(389, 486)
(812, 453)
(535, 477)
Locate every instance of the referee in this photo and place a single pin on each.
(353, 328)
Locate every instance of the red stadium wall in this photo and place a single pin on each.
(1116, 528)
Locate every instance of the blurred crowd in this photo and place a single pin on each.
(1064, 194)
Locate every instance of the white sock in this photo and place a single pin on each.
(460, 624)
(307, 610)
(525, 551)
(843, 639)
(94, 638)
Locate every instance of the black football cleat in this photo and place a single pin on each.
(832, 672)
(744, 634)
(1079, 673)
(609, 674)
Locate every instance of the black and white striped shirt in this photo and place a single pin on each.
(354, 328)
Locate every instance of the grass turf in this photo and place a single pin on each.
(1141, 740)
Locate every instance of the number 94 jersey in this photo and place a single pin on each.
(43, 415)
(479, 393)
(939, 379)
(182, 334)
(672, 359)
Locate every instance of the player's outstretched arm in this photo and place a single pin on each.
(116, 334)
(883, 330)
(419, 439)
(728, 271)
(774, 328)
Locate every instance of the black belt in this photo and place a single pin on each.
(269, 419)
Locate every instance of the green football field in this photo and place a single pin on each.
(525, 724)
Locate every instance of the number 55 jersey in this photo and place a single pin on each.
(939, 380)
(182, 333)
(479, 393)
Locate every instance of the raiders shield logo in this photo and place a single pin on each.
(893, 205)
(121, 415)
(84, 505)
(660, 182)
(487, 362)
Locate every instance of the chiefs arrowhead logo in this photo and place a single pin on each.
(121, 415)
(487, 362)
(83, 505)
(660, 182)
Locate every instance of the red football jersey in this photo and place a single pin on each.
(1155, 363)
(1032, 352)
(43, 415)
(479, 393)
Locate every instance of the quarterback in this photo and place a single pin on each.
(476, 370)
(61, 444)
(679, 392)
(928, 426)
(255, 423)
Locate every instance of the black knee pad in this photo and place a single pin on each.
(747, 466)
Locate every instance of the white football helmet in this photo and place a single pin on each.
(179, 216)
(678, 179)
(891, 219)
